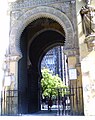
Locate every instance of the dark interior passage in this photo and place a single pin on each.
(29, 66)
(42, 43)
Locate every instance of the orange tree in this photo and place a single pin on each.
(51, 84)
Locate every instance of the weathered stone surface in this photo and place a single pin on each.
(34, 3)
(88, 74)
(22, 20)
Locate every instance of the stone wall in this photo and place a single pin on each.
(87, 59)
(23, 12)
(27, 9)
(88, 74)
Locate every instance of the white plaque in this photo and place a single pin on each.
(72, 74)
(7, 81)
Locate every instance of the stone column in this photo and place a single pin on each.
(74, 63)
(14, 81)
(76, 83)
(14, 71)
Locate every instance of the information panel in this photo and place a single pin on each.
(72, 74)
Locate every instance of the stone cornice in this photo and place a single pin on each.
(22, 4)
(71, 52)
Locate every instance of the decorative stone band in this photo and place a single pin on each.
(22, 4)
(34, 14)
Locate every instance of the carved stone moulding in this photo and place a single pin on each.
(90, 40)
(34, 14)
(71, 51)
(19, 4)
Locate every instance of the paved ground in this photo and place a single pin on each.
(50, 113)
(47, 118)
(46, 115)
(43, 113)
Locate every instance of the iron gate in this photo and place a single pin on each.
(9, 102)
(69, 104)
(72, 101)
(68, 101)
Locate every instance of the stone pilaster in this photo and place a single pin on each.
(75, 84)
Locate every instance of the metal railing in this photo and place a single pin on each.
(68, 101)
(69, 104)
(9, 102)
(72, 102)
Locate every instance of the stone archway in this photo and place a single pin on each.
(28, 75)
(36, 13)
(15, 48)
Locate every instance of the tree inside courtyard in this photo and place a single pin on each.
(51, 84)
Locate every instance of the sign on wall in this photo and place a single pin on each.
(7, 81)
(72, 74)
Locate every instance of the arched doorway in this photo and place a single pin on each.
(32, 34)
(34, 45)
(29, 38)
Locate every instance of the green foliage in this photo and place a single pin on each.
(51, 84)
